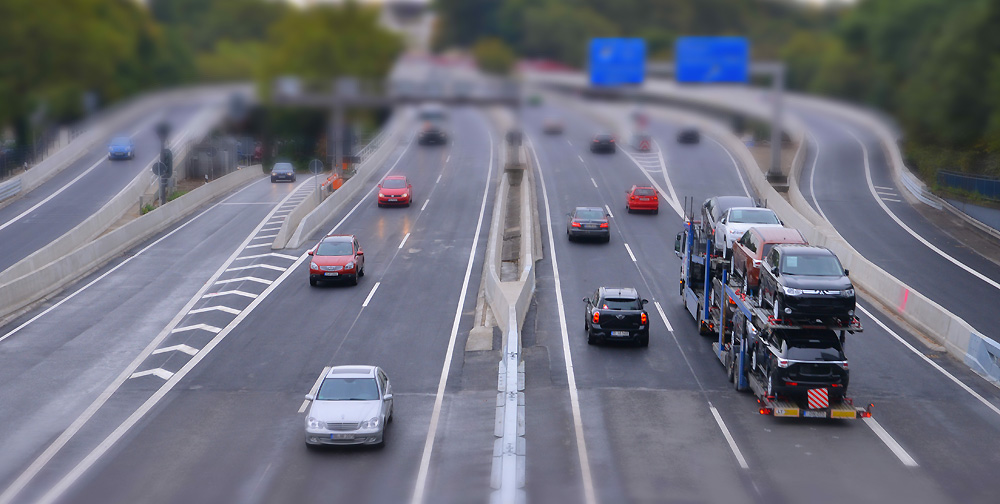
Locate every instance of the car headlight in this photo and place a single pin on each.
(314, 423)
(403, 195)
(349, 265)
(371, 423)
(380, 195)
(847, 292)
(790, 291)
(313, 265)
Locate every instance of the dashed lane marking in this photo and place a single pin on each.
(592, 181)
(606, 207)
(630, 254)
(314, 389)
(405, 237)
(422, 207)
(370, 294)
(177, 348)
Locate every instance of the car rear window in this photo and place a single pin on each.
(621, 304)
(348, 389)
(589, 214)
(335, 248)
(815, 350)
(645, 192)
(812, 265)
(394, 184)
(753, 216)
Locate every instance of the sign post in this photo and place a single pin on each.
(316, 167)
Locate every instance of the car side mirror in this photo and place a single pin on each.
(678, 241)
(388, 397)
(310, 397)
(380, 186)
(409, 186)
(310, 252)
(774, 270)
(847, 272)
(585, 300)
(361, 252)
(645, 302)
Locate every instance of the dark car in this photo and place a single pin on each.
(805, 282)
(603, 143)
(589, 222)
(432, 134)
(121, 148)
(616, 314)
(792, 362)
(715, 207)
(750, 250)
(283, 171)
(688, 136)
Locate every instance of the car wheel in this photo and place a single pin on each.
(361, 272)
(591, 338)
(656, 211)
(607, 238)
(644, 340)
(776, 304)
(313, 447)
(628, 209)
(313, 282)
(354, 280)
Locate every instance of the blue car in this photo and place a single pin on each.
(121, 148)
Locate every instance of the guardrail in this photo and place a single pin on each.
(10, 188)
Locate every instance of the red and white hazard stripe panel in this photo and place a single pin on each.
(819, 398)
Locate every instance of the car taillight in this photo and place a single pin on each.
(643, 318)
(782, 363)
(597, 317)
(792, 383)
(575, 224)
(604, 224)
(612, 140)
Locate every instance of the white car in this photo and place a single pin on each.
(352, 406)
(736, 221)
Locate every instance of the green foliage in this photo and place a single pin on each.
(493, 56)
(148, 207)
(231, 61)
(176, 194)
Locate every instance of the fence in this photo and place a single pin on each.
(987, 187)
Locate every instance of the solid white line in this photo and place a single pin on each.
(405, 237)
(160, 373)
(255, 266)
(606, 207)
(739, 173)
(244, 279)
(921, 239)
(370, 294)
(729, 437)
(812, 179)
(425, 459)
(630, 254)
(204, 327)
(232, 311)
(933, 364)
(177, 348)
(234, 292)
(592, 181)
(663, 316)
(422, 207)
(896, 449)
(589, 496)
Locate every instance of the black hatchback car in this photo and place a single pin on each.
(616, 314)
(603, 143)
(805, 282)
(793, 362)
(588, 222)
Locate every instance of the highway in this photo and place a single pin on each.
(176, 373)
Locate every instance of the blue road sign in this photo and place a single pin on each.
(617, 61)
(712, 59)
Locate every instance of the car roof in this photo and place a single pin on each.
(733, 201)
(338, 237)
(351, 372)
(642, 187)
(603, 135)
(805, 250)
(779, 234)
(619, 292)
(395, 177)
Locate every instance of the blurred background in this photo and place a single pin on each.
(931, 65)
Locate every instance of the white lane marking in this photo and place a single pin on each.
(739, 173)
(581, 159)
(270, 229)
(896, 449)
(668, 195)
(258, 246)
(606, 207)
(314, 389)
(160, 373)
(447, 159)
(422, 207)
(729, 437)
(231, 311)
(177, 348)
(630, 254)
(886, 193)
(892, 200)
(933, 364)
(272, 254)
(439, 178)
(261, 237)
(592, 181)
(425, 459)
(370, 294)
(233, 292)
(812, 178)
(570, 143)
(255, 266)
(663, 316)
(244, 279)
(589, 496)
(921, 239)
(112, 270)
(884, 188)
(204, 327)
(405, 237)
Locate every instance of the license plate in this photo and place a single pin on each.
(619, 333)
(341, 436)
(392, 200)
(331, 273)
(590, 226)
(814, 414)
(643, 199)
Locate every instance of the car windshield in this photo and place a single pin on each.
(282, 167)
(815, 350)
(814, 265)
(335, 248)
(394, 184)
(348, 389)
(621, 304)
(645, 192)
(590, 214)
(753, 216)
(121, 142)
(604, 138)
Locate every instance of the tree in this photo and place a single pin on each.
(493, 56)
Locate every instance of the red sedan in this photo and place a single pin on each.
(395, 190)
(336, 257)
(642, 198)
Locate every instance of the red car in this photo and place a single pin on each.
(336, 257)
(751, 248)
(395, 190)
(642, 198)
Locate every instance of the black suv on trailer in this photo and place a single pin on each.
(792, 362)
(616, 314)
(805, 282)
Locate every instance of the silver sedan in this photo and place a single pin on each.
(351, 407)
